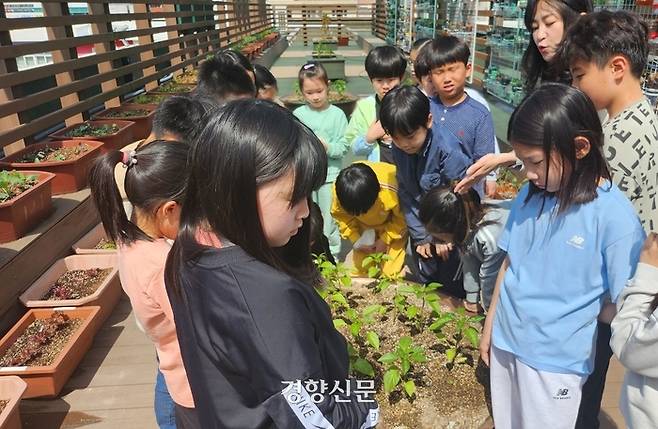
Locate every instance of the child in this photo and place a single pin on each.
(447, 58)
(635, 340)
(385, 66)
(254, 333)
(425, 157)
(473, 228)
(366, 199)
(328, 122)
(607, 52)
(423, 74)
(572, 239)
(226, 76)
(155, 185)
(266, 85)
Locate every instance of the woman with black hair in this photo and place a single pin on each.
(255, 335)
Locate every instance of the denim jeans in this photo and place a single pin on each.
(165, 408)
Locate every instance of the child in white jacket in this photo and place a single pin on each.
(635, 340)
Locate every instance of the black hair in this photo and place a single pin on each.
(551, 117)
(180, 116)
(654, 304)
(264, 77)
(421, 65)
(155, 174)
(601, 35)
(224, 76)
(357, 188)
(446, 49)
(533, 66)
(319, 242)
(419, 43)
(236, 58)
(444, 211)
(312, 70)
(385, 62)
(244, 145)
(404, 110)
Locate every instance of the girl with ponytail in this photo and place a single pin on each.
(155, 182)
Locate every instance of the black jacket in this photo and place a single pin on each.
(244, 329)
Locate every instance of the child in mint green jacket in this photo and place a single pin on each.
(385, 66)
(329, 123)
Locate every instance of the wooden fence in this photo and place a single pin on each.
(97, 69)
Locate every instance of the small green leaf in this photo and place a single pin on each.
(405, 342)
(412, 311)
(472, 335)
(355, 328)
(406, 366)
(391, 380)
(366, 261)
(373, 339)
(388, 358)
(363, 366)
(346, 281)
(406, 289)
(339, 323)
(339, 298)
(410, 388)
(432, 286)
(441, 322)
(451, 354)
(419, 356)
(373, 271)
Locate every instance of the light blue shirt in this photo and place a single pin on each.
(562, 267)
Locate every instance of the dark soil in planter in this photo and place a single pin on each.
(54, 154)
(125, 113)
(86, 129)
(13, 183)
(447, 396)
(41, 342)
(106, 245)
(147, 99)
(76, 284)
(3, 404)
(173, 88)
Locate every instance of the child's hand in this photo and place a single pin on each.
(424, 250)
(649, 253)
(443, 250)
(485, 340)
(376, 131)
(490, 188)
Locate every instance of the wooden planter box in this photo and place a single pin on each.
(334, 66)
(49, 380)
(25, 211)
(70, 176)
(111, 142)
(86, 245)
(143, 124)
(106, 296)
(11, 389)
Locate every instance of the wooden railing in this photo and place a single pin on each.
(164, 39)
(379, 19)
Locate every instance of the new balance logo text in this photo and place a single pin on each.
(577, 242)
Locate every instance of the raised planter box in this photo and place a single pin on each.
(277, 47)
(49, 380)
(143, 123)
(106, 296)
(87, 244)
(113, 141)
(346, 106)
(25, 211)
(332, 44)
(186, 90)
(70, 176)
(334, 66)
(11, 389)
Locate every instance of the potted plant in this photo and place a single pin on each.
(172, 88)
(25, 200)
(69, 160)
(11, 391)
(343, 40)
(325, 35)
(323, 51)
(95, 242)
(337, 96)
(508, 184)
(46, 345)
(76, 281)
(332, 63)
(114, 134)
(140, 114)
(147, 99)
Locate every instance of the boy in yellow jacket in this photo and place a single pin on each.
(367, 211)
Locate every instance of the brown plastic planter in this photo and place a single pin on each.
(343, 40)
(143, 124)
(87, 244)
(49, 380)
(70, 176)
(25, 211)
(112, 141)
(11, 389)
(106, 296)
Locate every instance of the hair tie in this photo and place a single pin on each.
(129, 158)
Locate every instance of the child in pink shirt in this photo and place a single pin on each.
(154, 185)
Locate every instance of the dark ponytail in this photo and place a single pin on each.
(654, 303)
(155, 173)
